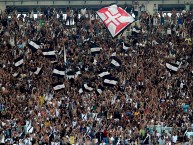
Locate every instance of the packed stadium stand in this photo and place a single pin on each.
(96, 72)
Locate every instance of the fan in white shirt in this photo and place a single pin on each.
(2, 138)
(174, 138)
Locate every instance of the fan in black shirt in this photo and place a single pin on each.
(99, 136)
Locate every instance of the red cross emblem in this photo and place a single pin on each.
(115, 19)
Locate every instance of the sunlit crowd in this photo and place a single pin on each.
(149, 101)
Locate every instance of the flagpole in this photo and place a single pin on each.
(64, 55)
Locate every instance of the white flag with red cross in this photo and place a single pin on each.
(115, 19)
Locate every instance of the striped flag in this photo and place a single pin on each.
(58, 86)
(99, 90)
(49, 53)
(110, 81)
(103, 74)
(135, 31)
(15, 74)
(70, 74)
(115, 62)
(33, 46)
(172, 67)
(18, 61)
(95, 49)
(113, 54)
(38, 71)
(59, 72)
(88, 87)
(125, 46)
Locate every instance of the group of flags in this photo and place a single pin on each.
(116, 21)
(61, 72)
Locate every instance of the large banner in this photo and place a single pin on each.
(115, 19)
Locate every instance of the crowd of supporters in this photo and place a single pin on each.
(151, 103)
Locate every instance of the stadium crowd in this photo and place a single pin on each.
(149, 103)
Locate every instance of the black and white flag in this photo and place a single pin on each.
(172, 67)
(70, 74)
(58, 86)
(49, 53)
(38, 71)
(15, 74)
(18, 61)
(33, 46)
(135, 31)
(77, 71)
(88, 87)
(115, 62)
(59, 72)
(95, 49)
(125, 46)
(103, 74)
(110, 81)
(113, 54)
(99, 90)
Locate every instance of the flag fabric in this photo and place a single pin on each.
(80, 91)
(88, 87)
(70, 74)
(99, 90)
(33, 46)
(77, 72)
(54, 61)
(110, 81)
(59, 72)
(15, 74)
(95, 49)
(125, 46)
(38, 71)
(113, 54)
(115, 19)
(49, 53)
(18, 61)
(58, 86)
(172, 67)
(136, 30)
(115, 62)
(103, 74)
